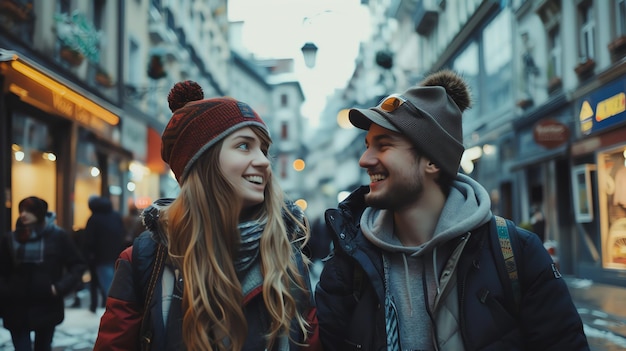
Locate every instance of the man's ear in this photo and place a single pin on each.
(431, 167)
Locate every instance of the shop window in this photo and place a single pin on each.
(116, 168)
(581, 188)
(612, 206)
(88, 177)
(33, 162)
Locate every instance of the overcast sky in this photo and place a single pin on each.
(279, 28)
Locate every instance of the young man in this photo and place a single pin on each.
(417, 264)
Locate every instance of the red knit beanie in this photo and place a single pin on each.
(198, 124)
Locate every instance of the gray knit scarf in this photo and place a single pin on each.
(250, 239)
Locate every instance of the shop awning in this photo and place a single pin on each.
(540, 157)
(47, 90)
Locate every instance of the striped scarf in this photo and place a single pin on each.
(30, 250)
(250, 239)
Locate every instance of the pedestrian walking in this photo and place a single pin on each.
(39, 266)
(222, 267)
(420, 262)
(104, 235)
(133, 224)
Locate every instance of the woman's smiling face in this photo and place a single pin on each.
(244, 162)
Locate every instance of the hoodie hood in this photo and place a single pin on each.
(100, 204)
(467, 207)
(150, 218)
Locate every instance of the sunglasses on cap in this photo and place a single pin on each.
(393, 102)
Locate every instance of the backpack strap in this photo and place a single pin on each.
(508, 254)
(145, 332)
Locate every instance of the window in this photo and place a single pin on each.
(587, 29)
(554, 53)
(497, 57)
(283, 100)
(135, 64)
(467, 64)
(611, 173)
(284, 130)
(283, 166)
(620, 23)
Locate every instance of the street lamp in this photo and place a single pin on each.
(309, 50)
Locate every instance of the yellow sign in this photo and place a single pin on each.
(585, 111)
(610, 107)
(585, 116)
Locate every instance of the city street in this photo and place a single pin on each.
(603, 311)
(602, 308)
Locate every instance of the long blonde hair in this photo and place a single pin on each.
(204, 240)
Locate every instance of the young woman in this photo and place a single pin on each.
(221, 267)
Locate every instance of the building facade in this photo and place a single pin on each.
(546, 129)
(60, 106)
(84, 97)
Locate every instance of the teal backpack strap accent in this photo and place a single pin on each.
(504, 239)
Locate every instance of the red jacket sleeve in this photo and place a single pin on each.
(121, 322)
(313, 342)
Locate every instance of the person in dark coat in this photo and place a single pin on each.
(39, 265)
(420, 262)
(104, 235)
(133, 225)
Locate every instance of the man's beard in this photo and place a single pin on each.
(397, 195)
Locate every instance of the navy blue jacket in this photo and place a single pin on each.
(104, 232)
(350, 304)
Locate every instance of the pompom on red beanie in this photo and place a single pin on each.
(198, 123)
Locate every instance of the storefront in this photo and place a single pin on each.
(599, 182)
(542, 140)
(58, 142)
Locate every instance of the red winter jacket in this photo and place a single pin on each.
(120, 325)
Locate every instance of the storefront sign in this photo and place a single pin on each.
(550, 133)
(604, 108)
(40, 90)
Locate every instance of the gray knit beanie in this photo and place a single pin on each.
(428, 114)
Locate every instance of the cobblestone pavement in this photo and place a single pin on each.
(77, 332)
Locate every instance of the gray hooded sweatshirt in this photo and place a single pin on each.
(412, 273)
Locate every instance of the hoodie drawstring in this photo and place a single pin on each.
(435, 271)
(406, 282)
